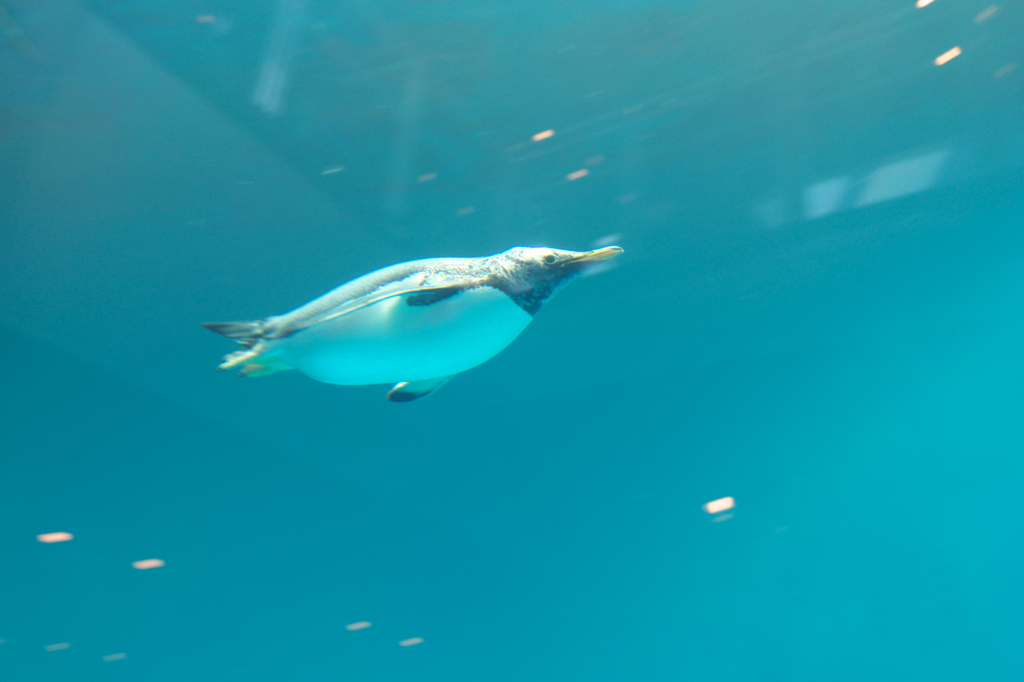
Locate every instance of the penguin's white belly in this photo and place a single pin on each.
(392, 341)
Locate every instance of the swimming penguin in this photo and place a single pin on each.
(417, 323)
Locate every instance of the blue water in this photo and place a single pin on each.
(819, 313)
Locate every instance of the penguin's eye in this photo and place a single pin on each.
(550, 258)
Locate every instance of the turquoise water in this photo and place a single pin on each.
(819, 313)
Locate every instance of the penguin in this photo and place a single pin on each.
(418, 323)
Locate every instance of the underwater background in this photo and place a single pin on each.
(819, 313)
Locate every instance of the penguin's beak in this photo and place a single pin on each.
(589, 258)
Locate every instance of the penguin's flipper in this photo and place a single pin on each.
(266, 364)
(412, 390)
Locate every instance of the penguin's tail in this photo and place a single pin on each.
(250, 334)
(246, 333)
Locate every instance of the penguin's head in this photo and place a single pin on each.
(533, 275)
